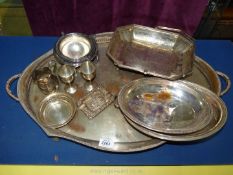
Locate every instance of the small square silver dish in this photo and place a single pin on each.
(75, 48)
(163, 52)
(95, 102)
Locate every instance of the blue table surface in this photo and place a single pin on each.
(22, 141)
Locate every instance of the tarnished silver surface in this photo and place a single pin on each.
(95, 101)
(218, 119)
(110, 123)
(75, 48)
(164, 106)
(56, 110)
(154, 51)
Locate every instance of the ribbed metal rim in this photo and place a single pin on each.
(61, 58)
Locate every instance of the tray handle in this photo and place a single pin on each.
(8, 85)
(227, 80)
(177, 31)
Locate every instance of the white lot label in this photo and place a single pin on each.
(106, 142)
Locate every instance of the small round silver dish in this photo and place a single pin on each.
(75, 48)
(56, 110)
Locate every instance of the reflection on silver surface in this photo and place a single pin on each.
(56, 110)
(75, 48)
(67, 75)
(88, 70)
(53, 67)
(71, 88)
(164, 106)
(90, 86)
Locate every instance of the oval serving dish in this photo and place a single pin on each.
(169, 107)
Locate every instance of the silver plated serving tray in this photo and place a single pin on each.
(108, 130)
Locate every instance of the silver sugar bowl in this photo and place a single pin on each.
(45, 80)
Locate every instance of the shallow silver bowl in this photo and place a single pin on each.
(56, 110)
(170, 107)
(75, 48)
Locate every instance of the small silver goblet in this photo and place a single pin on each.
(67, 76)
(88, 70)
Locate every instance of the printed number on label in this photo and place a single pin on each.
(106, 142)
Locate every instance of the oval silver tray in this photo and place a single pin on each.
(218, 119)
(165, 106)
(110, 124)
(172, 109)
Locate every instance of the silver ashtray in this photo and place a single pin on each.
(95, 102)
(75, 48)
(56, 110)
